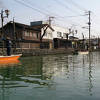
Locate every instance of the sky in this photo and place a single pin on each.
(66, 13)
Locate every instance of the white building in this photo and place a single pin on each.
(49, 33)
(59, 32)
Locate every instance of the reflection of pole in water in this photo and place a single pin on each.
(67, 66)
(90, 74)
(83, 64)
(3, 90)
(84, 59)
(3, 85)
(5, 73)
(73, 67)
(41, 66)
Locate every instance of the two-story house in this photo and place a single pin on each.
(24, 36)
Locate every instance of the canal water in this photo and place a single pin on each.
(52, 77)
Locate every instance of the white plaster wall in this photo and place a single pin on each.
(59, 29)
(48, 34)
(53, 34)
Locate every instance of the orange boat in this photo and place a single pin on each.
(9, 58)
(9, 63)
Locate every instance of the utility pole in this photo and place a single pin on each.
(14, 28)
(89, 23)
(14, 34)
(50, 20)
(2, 32)
(2, 21)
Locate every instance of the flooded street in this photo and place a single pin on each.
(52, 77)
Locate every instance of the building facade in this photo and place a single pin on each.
(56, 36)
(21, 35)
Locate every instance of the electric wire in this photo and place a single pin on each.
(76, 5)
(26, 5)
(65, 6)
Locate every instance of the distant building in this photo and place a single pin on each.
(60, 32)
(57, 36)
(54, 32)
(46, 32)
(28, 36)
(73, 38)
(24, 36)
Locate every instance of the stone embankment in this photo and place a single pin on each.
(38, 52)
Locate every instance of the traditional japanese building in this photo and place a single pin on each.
(56, 36)
(23, 35)
(28, 36)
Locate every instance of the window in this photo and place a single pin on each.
(37, 35)
(31, 34)
(64, 35)
(26, 33)
(59, 34)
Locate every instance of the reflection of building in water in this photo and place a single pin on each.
(49, 72)
(32, 66)
(14, 75)
(37, 71)
(55, 66)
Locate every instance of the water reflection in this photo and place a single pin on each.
(55, 72)
(55, 66)
(90, 73)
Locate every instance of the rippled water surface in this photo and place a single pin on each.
(53, 77)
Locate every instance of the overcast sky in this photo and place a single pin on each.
(66, 13)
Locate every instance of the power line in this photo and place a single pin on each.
(65, 6)
(26, 5)
(51, 12)
(73, 16)
(71, 22)
(39, 10)
(30, 3)
(76, 5)
(44, 13)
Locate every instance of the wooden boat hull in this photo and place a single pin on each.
(9, 63)
(9, 58)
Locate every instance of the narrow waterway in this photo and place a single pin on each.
(52, 77)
